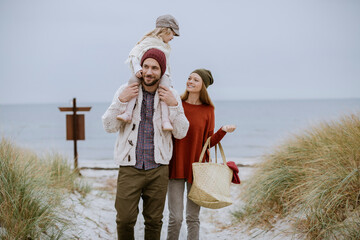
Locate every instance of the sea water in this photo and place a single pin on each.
(261, 125)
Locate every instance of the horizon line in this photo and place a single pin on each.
(215, 100)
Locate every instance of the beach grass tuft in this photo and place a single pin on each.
(313, 179)
(32, 189)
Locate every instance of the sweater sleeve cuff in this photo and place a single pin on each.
(173, 112)
(216, 138)
(136, 64)
(117, 104)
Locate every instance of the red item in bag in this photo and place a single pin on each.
(232, 166)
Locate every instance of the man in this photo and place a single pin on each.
(143, 150)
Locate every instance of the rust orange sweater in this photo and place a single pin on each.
(188, 149)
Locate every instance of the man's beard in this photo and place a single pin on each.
(152, 83)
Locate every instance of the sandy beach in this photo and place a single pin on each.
(93, 217)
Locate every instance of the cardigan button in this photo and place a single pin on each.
(133, 127)
(128, 158)
(130, 142)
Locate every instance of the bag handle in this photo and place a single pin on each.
(221, 151)
(207, 143)
(207, 146)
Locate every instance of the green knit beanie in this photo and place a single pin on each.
(205, 76)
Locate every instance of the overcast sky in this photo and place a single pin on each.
(52, 51)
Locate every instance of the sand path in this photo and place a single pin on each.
(94, 215)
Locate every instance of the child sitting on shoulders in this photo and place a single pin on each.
(166, 28)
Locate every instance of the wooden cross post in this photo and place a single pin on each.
(75, 127)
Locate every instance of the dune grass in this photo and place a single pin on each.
(314, 179)
(31, 192)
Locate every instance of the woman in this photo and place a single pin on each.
(199, 110)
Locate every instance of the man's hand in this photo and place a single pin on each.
(166, 95)
(130, 92)
(229, 128)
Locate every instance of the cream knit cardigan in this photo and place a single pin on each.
(125, 145)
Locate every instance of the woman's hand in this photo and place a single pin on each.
(228, 128)
(130, 92)
(166, 95)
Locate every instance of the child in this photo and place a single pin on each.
(166, 28)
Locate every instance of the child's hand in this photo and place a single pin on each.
(229, 128)
(139, 74)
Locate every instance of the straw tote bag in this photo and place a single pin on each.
(211, 185)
